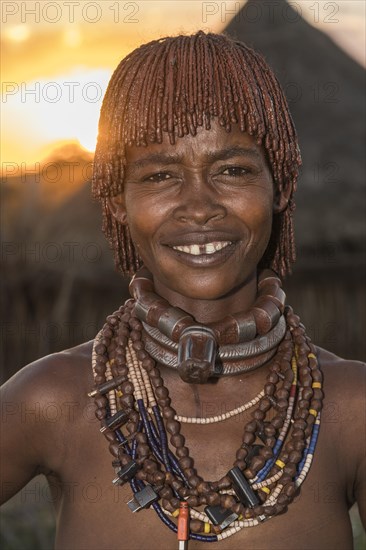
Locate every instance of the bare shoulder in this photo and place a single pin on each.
(344, 389)
(329, 358)
(42, 408)
(342, 376)
(67, 371)
(344, 411)
(43, 400)
(47, 392)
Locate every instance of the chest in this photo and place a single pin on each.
(94, 514)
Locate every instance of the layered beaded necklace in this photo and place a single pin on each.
(144, 430)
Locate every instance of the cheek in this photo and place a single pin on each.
(259, 224)
(136, 225)
(139, 229)
(144, 219)
(264, 218)
(258, 210)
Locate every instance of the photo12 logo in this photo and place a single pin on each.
(272, 11)
(71, 12)
(52, 92)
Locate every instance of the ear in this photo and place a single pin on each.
(281, 199)
(117, 208)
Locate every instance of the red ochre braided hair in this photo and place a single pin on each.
(176, 84)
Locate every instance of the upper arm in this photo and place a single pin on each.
(353, 436)
(360, 478)
(360, 490)
(345, 413)
(27, 439)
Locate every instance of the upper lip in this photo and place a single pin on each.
(199, 237)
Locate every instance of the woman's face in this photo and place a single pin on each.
(199, 211)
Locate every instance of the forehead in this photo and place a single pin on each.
(206, 146)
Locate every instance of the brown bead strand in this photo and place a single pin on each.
(104, 350)
(249, 435)
(293, 450)
(150, 467)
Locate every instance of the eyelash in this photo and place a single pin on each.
(157, 177)
(164, 176)
(243, 171)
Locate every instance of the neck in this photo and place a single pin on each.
(209, 311)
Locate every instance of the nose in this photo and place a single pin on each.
(199, 203)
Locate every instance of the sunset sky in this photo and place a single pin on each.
(57, 58)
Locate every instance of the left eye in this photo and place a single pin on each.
(234, 171)
(159, 176)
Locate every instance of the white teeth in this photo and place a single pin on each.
(210, 248)
(198, 249)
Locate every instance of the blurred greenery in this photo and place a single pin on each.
(27, 521)
(359, 534)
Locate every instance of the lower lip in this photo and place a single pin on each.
(203, 260)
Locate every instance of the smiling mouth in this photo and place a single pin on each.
(203, 249)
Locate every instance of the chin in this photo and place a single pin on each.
(202, 293)
(205, 288)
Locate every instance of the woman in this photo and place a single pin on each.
(208, 390)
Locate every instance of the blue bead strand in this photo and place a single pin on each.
(163, 438)
(174, 462)
(147, 427)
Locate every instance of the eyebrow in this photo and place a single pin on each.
(175, 158)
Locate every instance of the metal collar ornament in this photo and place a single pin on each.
(144, 430)
(229, 359)
(213, 350)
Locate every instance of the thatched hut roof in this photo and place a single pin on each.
(325, 88)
